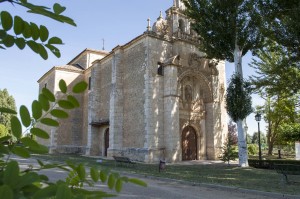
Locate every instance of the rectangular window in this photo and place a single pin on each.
(45, 85)
(160, 69)
(90, 81)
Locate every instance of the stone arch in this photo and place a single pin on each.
(206, 85)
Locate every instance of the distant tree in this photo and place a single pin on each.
(232, 133)
(227, 30)
(6, 101)
(277, 111)
(249, 138)
(263, 138)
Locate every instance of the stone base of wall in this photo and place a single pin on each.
(67, 149)
(139, 154)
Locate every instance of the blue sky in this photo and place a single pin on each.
(115, 21)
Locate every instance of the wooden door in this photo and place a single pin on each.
(189, 144)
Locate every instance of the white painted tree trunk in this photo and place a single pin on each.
(242, 145)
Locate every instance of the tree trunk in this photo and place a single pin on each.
(243, 152)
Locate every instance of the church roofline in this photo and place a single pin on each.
(86, 51)
(68, 68)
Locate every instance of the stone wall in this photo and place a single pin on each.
(133, 59)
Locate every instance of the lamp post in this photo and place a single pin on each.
(258, 118)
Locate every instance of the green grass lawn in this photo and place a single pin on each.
(221, 174)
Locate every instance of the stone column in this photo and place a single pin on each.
(89, 133)
(203, 153)
(209, 127)
(116, 106)
(171, 114)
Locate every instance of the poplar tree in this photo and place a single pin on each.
(6, 101)
(227, 31)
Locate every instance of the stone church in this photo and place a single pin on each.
(153, 98)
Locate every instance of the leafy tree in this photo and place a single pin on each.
(228, 30)
(252, 149)
(263, 138)
(249, 138)
(290, 132)
(17, 31)
(277, 111)
(280, 22)
(275, 72)
(6, 101)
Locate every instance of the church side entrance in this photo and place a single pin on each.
(106, 141)
(189, 144)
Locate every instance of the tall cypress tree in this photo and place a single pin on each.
(228, 30)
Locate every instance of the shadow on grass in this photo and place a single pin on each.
(221, 174)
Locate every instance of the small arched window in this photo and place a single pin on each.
(181, 25)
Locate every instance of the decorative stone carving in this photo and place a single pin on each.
(161, 26)
(203, 64)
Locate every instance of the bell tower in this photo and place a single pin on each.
(178, 4)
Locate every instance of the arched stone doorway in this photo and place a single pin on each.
(189, 144)
(106, 141)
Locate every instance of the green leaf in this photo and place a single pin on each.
(27, 179)
(49, 122)
(48, 94)
(119, 185)
(54, 50)
(7, 110)
(80, 87)
(62, 86)
(18, 25)
(40, 149)
(11, 173)
(40, 162)
(42, 51)
(103, 176)
(6, 191)
(27, 30)
(44, 33)
(20, 42)
(137, 182)
(8, 41)
(21, 151)
(55, 40)
(34, 46)
(29, 142)
(73, 100)
(4, 149)
(39, 133)
(25, 116)
(94, 174)
(58, 9)
(16, 127)
(47, 192)
(35, 32)
(81, 172)
(65, 104)
(44, 102)
(5, 138)
(2, 34)
(59, 113)
(6, 20)
(63, 192)
(111, 181)
(36, 108)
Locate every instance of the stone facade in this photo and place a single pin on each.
(156, 97)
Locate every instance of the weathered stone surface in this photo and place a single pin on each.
(145, 112)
